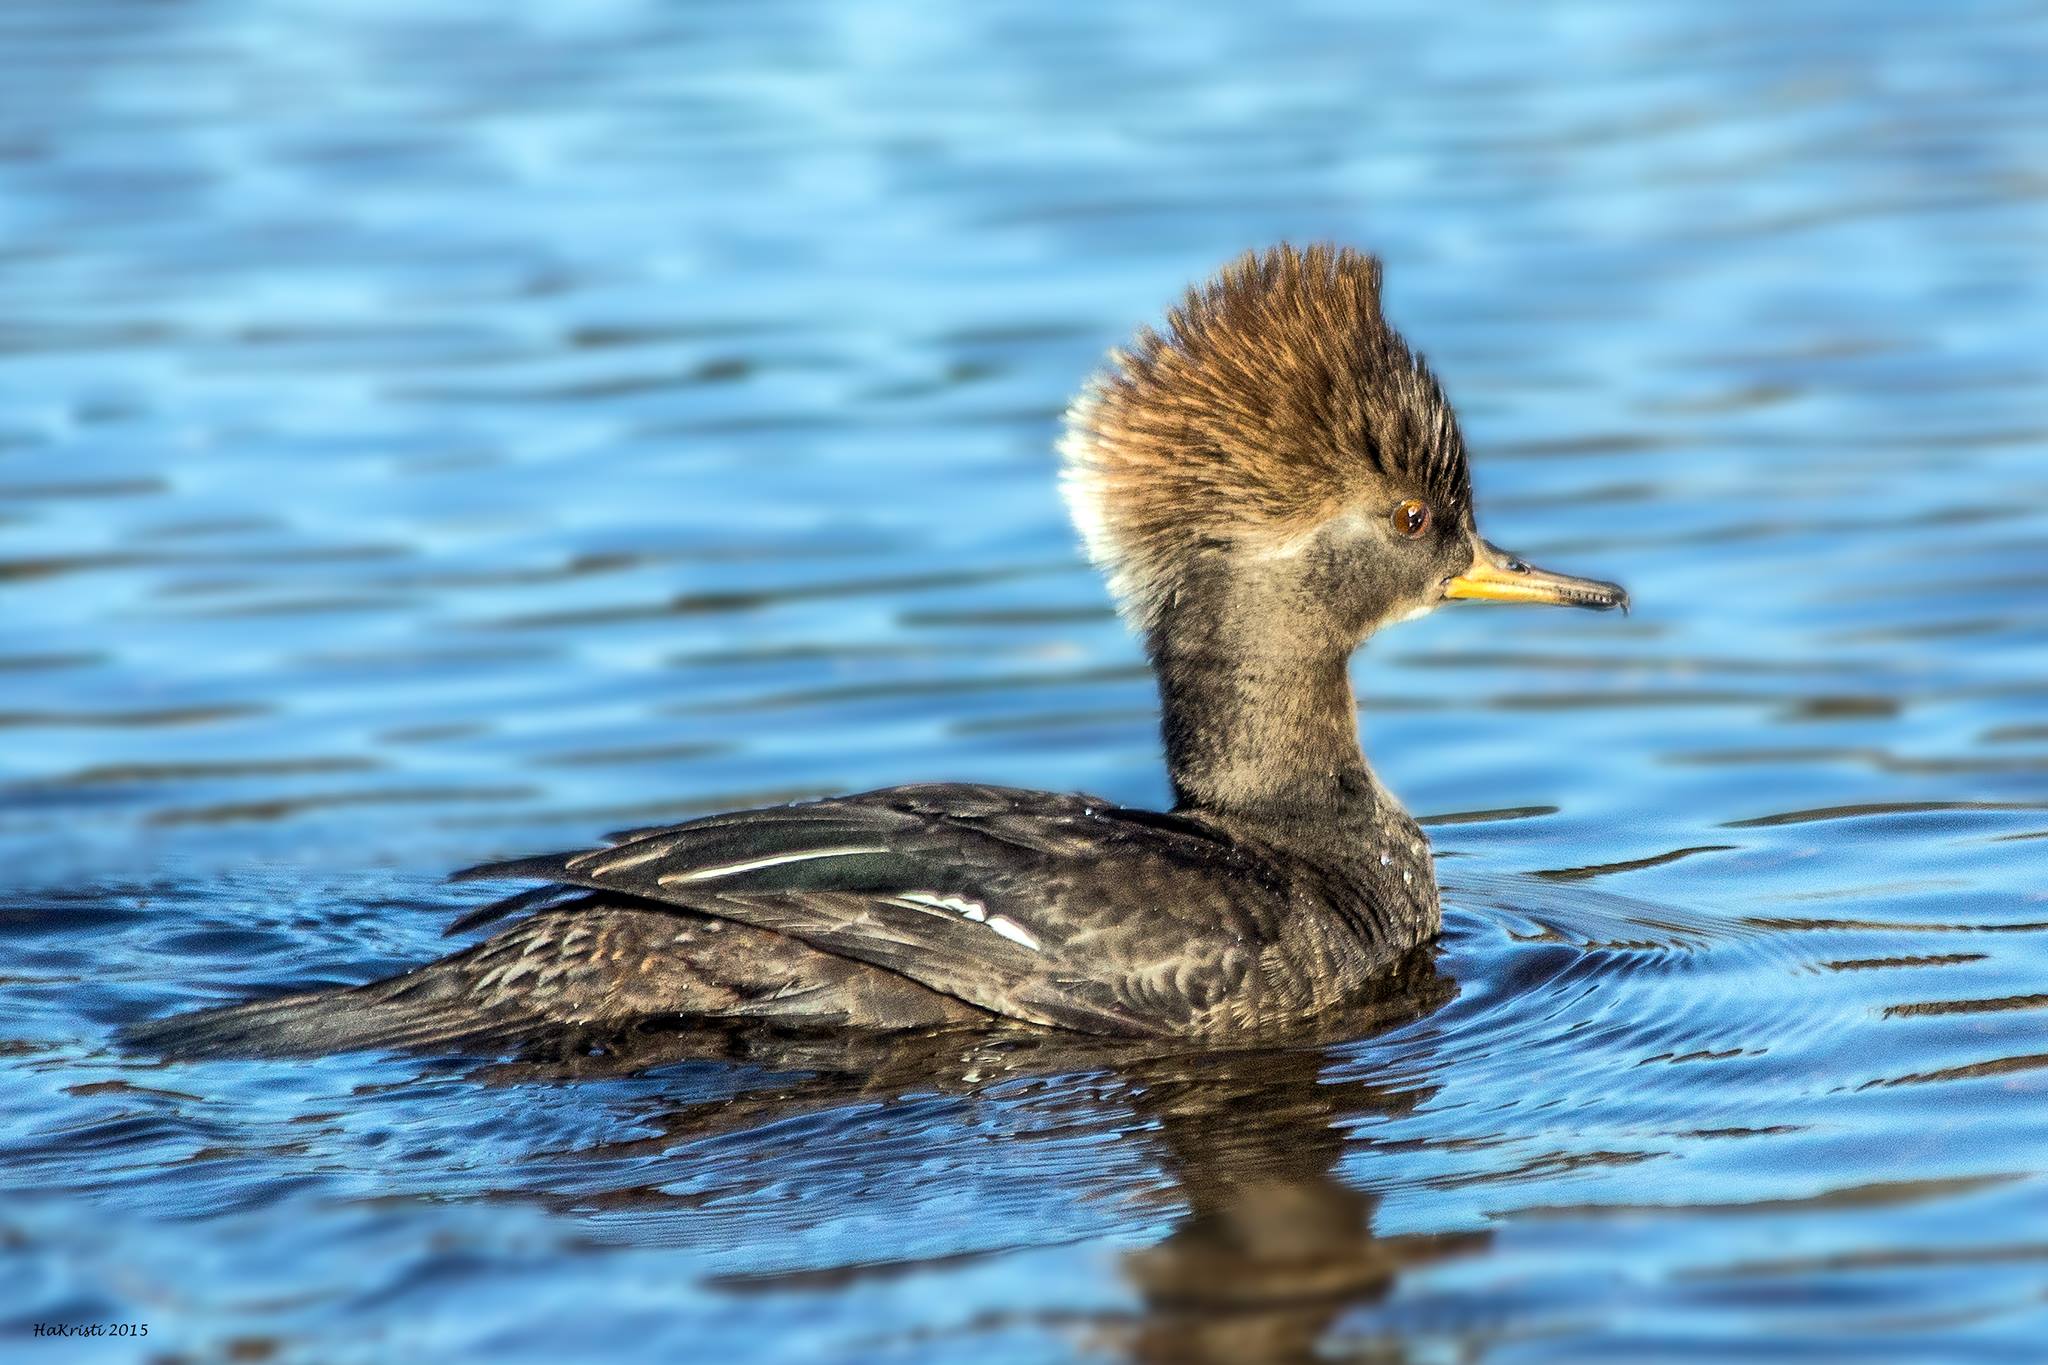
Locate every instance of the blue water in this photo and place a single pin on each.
(439, 430)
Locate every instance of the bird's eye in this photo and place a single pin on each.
(1411, 518)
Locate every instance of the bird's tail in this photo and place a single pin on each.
(430, 1007)
(569, 972)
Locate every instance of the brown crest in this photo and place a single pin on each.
(1275, 397)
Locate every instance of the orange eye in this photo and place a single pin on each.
(1411, 518)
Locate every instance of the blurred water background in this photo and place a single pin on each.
(436, 429)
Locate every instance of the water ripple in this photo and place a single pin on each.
(439, 430)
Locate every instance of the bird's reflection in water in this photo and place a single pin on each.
(1275, 1247)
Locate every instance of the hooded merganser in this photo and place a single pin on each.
(1267, 481)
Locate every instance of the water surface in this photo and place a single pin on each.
(436, 431)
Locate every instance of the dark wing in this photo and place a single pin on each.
(1056, 909)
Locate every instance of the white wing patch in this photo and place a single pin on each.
(1013, 931)
(931, 902)
(959, 905)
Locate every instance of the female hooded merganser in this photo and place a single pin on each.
(1266, 482)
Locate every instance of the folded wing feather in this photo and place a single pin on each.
(939, 884)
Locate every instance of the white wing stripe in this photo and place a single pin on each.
(601, 862)
(705, 874)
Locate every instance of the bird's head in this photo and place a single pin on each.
(1279, 437)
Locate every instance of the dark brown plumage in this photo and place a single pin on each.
(1268, 481)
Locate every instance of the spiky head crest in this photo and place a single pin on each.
(1276, 396)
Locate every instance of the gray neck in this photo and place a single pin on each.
(1258, 713)
(1262, 739)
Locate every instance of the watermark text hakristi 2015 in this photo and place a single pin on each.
(91, 1329)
